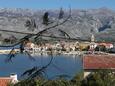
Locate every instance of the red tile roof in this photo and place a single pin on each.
(99, 62)
(4, 81)
(107, 45)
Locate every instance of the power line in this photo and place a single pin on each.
(43, 35)
(16, 32)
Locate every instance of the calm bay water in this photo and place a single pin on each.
(67, 65)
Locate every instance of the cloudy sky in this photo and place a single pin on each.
(54, 4)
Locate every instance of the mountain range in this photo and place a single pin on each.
(83, 22)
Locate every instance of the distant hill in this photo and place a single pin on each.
(100, 21)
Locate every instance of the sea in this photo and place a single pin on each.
(68, 65)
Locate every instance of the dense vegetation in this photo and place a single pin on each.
(98, 78)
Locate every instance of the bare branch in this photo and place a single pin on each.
(65, 33)
(36, 71)
(30, 71)
(11, 55)
(39, 33)
(29, 55)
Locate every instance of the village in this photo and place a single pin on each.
(73, 47)
(67, 47)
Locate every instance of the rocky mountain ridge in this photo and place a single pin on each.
(100, 22)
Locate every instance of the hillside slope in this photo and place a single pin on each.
(82, 23)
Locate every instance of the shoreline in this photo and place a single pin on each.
(7, 51)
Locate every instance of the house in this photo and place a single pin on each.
(83, 45)
(5, 81)
(107, 45)
(92, 63)
(92, 46)
(30, 45)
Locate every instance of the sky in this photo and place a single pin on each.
(55, 4)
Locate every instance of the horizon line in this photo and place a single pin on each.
(56, 8)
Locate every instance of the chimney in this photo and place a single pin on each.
(13, 76)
